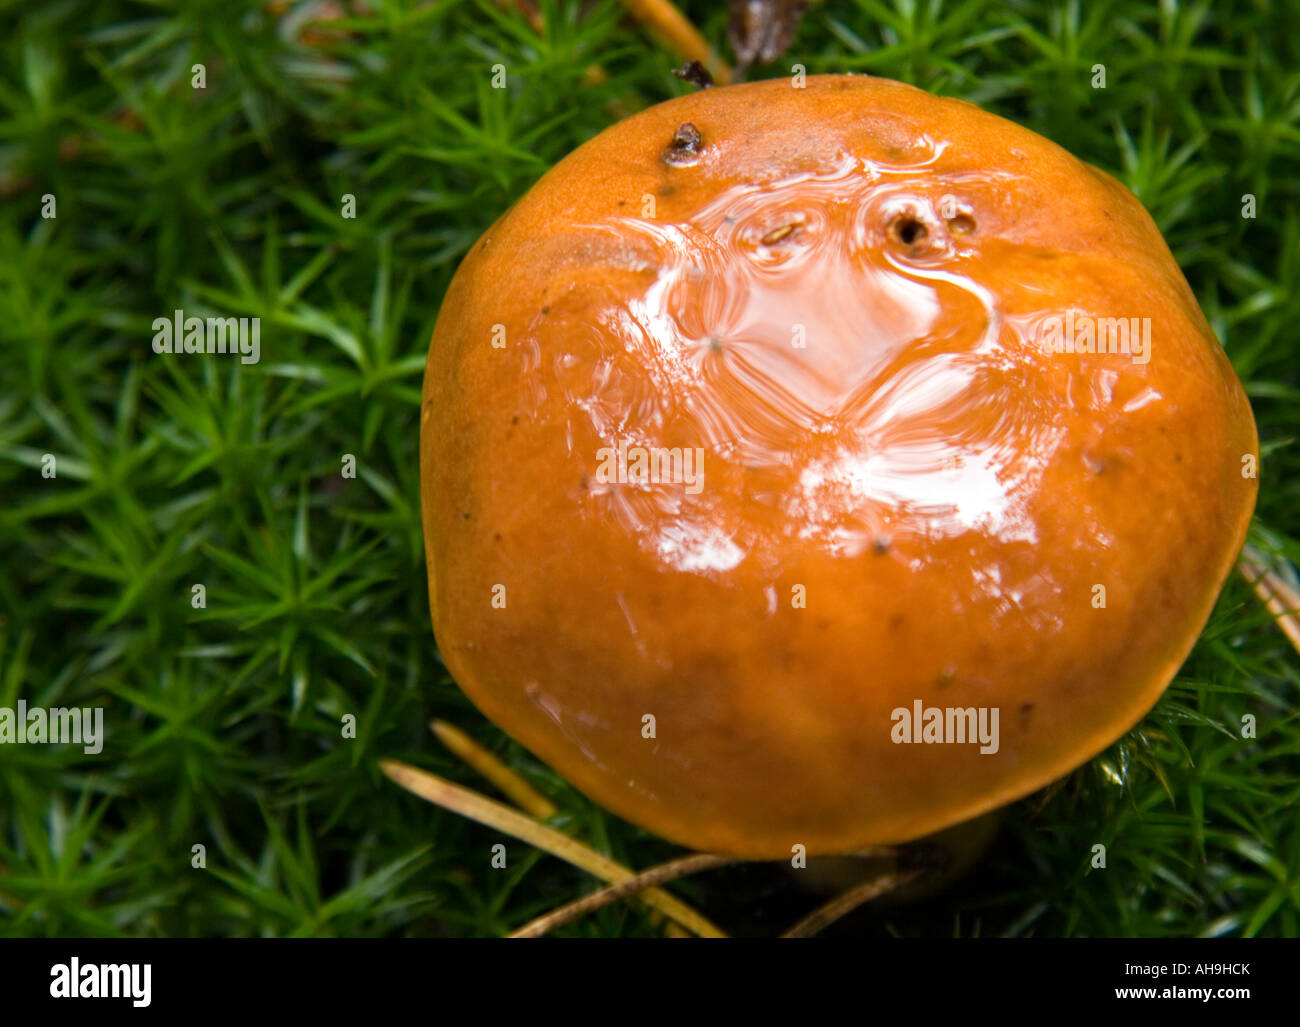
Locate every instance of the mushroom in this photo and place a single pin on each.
(822, 465)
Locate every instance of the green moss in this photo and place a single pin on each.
(224, 722)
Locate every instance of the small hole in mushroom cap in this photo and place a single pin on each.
(961, 224)
(909, 231)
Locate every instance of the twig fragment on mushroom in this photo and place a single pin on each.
(695, 73)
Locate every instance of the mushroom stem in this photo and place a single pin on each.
(1281, 601)
(846, 902)
(514, 787)
(662, 874)
(494, 814)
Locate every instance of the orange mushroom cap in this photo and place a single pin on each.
(767, 425)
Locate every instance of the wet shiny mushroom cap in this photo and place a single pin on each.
(775, 424)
